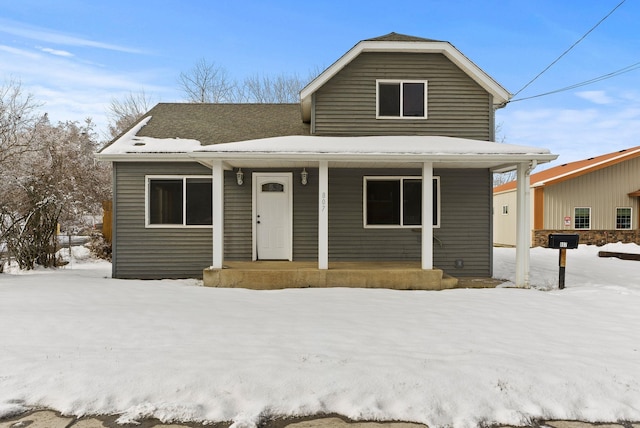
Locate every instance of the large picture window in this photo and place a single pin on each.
(582, 218)
(401, 99)
(397, 201)
(179, 201)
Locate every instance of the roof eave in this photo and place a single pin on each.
(144, 157)
(500, 158)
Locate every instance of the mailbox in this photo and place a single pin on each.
(564, 240)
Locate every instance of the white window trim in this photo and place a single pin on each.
(401, 117)
(630, 217)
(574, 218)
(395, 177)
(184, 178)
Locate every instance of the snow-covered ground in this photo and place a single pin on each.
(76, 341)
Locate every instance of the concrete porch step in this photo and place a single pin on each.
(265, 275)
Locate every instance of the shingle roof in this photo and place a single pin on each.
(223, 123)
(574, 169)
(396, 37)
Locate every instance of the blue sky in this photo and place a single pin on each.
(75, 56)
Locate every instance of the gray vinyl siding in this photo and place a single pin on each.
(140, 252)
(464, 231)
(238, 215)
(456, 105)
(348, 238)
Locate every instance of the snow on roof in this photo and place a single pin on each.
(130, 142)
(392, 145)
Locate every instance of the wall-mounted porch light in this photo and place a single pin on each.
(240, 177)
(304, 177)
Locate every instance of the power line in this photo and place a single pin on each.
(586, 82)
(567, 51)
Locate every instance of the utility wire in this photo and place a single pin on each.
(567, 51)
(586, 82)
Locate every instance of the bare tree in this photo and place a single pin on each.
(504, 177)
(18, 121)
(282, 88)
(207, 82)
(124, 113)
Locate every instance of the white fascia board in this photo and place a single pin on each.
(377, 157)
(500, 94)
(144, 157)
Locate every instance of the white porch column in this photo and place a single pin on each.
(523, 225)
(427, 215)
(323, 215)
(217, 198)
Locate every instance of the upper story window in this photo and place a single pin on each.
(401, 99)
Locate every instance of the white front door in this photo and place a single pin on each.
(273, 206)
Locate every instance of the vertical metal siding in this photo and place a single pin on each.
(504, 226)
(603, 190)
(456, 105)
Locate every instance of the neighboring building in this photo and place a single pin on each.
(336, 178)
(598, 198)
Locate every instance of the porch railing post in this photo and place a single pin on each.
(323, 215)
(523, 224)
(217, 184)
(427, 215)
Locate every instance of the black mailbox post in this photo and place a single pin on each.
(563, 242)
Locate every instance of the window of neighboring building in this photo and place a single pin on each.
(582, 218)
(179, 201)
(401, 99)
(505, 209)
(397, 201)
(623, 218)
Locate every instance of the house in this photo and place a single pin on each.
(597, 198)
(326, 192)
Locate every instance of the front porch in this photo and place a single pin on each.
(272, 219)
(271, 275)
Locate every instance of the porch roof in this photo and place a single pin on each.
(379, 151)
(341, 151)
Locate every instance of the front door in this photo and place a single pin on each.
(273, 206)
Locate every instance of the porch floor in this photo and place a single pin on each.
(271, 275)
